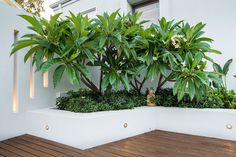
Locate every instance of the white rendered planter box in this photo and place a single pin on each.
(86, 130)
(202, 122)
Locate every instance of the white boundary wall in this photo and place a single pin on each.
(94, 7)
(12, 124)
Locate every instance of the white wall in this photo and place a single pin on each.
(12, 124)
(220, 17)
(149, 12)
(100, 5)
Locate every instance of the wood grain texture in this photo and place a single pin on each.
(152, 144)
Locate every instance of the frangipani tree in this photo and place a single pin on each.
(126, 52)
(74, 44)
(64, 44)
(178, 52)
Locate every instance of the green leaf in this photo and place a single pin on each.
(34, 22)
(152, 71)
(204, 39)
(78, 77)
(49, 63)
(215, 51)
(102, 41)
(81, 41)
(66, 50)
(191, 88)
(130, 30)
(118, 36)
(30, 52)
(43, 43)
(74, 56)
(105, 82)
(176, 86)
(203, 77)
(84, 70)
(197, 60)
(215, 77)
(181, 90)
(38, 57)
(125, 81)
(54, 18)
(163, 69)
(89, 55)
(22, 44)
(112, 78)
(217, 68)
(189, 59)
(208, 59)
(57, 75)
(226, 66)
(70, 74)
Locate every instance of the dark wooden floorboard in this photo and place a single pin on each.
(15, 150)
(20, 145)
(152, 144)
(6, 153)
(67, 150)
(35, 146)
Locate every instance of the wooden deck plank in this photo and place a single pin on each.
(117, 152)
(15, 150)
(101, 153)
(152, 144)
(6, 153)
(31, 144)
(19, 145)
(53, 146)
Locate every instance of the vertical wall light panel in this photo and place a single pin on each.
(15, 105)
(31, 79)
(45, 78)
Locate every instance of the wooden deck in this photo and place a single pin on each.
(152, 144)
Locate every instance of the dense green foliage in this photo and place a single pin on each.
(127, 53)
(220, 98)
(87, 101)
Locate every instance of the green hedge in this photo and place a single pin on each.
(215, 98)
(87, 101)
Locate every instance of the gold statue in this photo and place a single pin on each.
(150, 98)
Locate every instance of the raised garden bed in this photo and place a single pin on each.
(85, 130)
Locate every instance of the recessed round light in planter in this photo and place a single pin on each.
(229, 126)
(125, 125)
(46, 127)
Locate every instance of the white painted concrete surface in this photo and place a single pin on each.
(100, 6)
(86, 130)
(13, 124)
